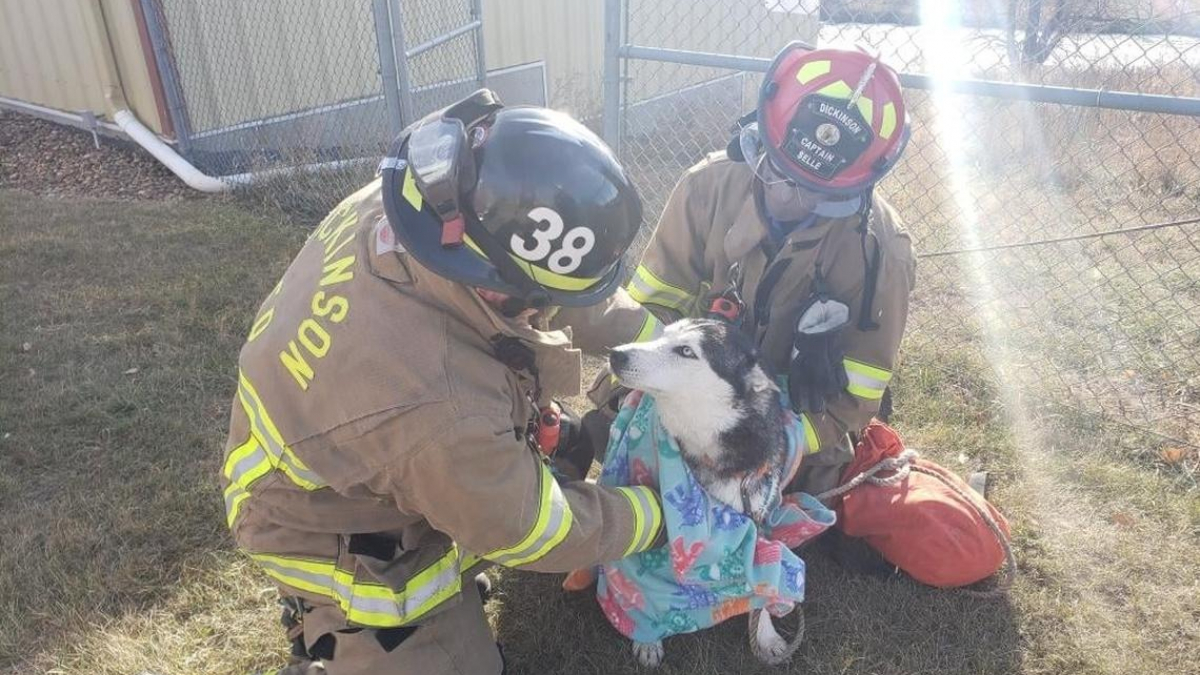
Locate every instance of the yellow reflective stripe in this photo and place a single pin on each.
(541, 275)
(243, 467)
(647, 517)
(648, 330)
(812, 442)
(866, 381)
(554, 280)
(410, 191)
(234, 496)
(238, 454)
(837, 89)
(247, 463)
(646, 288)
(369, 603)
(639, 523)
(551, 527)
(268, 435)
(888, 124)
(867, 107)
(812, 70)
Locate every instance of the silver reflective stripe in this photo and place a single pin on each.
(559, 513)
(233, 495)
(258, 421)
(643, 289)
(248, 463)
(650, 526)
(314, 580)
(858, 380)
(415, 602)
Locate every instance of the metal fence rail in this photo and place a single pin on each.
(1041, 151)
(306, 94)
(1041, 184)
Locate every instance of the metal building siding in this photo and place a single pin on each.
(46, 56)
(567, 34)
(248, 59)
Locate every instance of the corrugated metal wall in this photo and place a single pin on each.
(567, 34)
(46, 49)
(46, 56)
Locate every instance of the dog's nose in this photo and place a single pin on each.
(617, 360)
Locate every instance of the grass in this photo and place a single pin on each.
(115, 558)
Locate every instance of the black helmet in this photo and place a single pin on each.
(522, 200)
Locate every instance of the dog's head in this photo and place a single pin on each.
(693, 359)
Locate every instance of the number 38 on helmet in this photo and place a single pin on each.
(522, 200)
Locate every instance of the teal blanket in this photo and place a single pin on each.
(717, 563)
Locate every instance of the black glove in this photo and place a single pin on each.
(817, 374)
(577, 443)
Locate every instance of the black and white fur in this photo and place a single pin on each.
(722, 407)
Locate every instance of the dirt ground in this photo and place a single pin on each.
(49, 158)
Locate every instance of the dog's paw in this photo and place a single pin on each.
(649, 654)
(769, 646)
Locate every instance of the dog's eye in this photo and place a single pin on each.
(686, 352)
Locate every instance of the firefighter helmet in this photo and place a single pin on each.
(525, 201)
(830, 120)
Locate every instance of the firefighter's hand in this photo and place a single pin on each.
(576, 445)
(816, 374)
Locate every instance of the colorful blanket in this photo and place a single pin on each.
(717, 563)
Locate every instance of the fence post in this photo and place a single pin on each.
(480, 58)
(387, 66)
(612, 74)
(400, 50)
(165, 59)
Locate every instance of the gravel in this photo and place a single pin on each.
(50, 159)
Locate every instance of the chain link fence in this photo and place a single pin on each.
(302, 96)
(1012, 204)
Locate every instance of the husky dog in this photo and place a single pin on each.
(723, 409)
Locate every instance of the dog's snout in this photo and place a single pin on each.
(618, 359)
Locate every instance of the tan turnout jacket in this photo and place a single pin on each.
(712, 221)
(370, 402)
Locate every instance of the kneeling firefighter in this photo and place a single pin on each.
(782, 234)
(393, 418)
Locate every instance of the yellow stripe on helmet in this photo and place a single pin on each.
(888, 125)
(812, 70)
(544, 277)
(410, 191)
(837, 89)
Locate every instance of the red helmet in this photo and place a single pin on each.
(832, 120)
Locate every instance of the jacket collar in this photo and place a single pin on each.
(559, 364)
(748, 229)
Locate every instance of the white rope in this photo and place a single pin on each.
(793, 644)
(901, 464)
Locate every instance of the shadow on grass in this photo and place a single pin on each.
(855, 623)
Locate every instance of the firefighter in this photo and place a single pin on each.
(393, 414)
(782, 233)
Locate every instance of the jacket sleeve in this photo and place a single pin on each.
(498, 500)
(616, 321)
(668, 280)
(870, 356)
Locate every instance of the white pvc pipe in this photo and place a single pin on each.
(179, 166)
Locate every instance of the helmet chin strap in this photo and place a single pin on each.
(530, 294)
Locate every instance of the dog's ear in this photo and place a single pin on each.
(759, 381)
